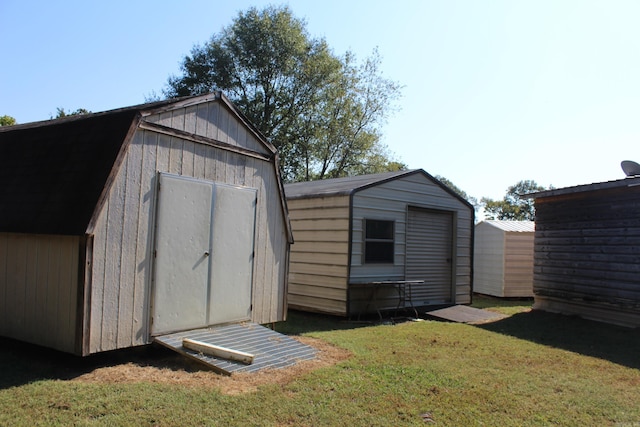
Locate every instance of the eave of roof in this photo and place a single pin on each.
(511, 226)
(620, 183)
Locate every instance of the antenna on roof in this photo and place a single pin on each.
(630, 168)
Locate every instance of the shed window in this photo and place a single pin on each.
(378, 241)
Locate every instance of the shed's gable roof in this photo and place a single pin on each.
(53, 173)
(338, 186)
(511, 226)
(352, 184)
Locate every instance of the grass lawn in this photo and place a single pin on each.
(530, 369)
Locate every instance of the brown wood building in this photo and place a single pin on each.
(359, 238)
(120, 226)
(587, 251)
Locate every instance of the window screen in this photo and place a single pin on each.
(378, 241)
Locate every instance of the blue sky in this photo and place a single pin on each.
(494, 91)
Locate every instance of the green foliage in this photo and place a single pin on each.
(7, 121)
(459, 191)
(320, 110)
(60, 112)
(514, 206)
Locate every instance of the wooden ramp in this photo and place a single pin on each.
(271, 349)
(465, 314)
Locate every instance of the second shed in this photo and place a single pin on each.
(380, 241)
(503, 258)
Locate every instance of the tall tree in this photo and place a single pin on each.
(321, 111)
(459, 191)
(513, 206)
(60, 112)
(7, 121)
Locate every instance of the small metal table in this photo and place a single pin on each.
(402, 287)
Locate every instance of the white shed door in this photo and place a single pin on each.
(429, 255)
(204, 254)
(183, 235)
(234, 216)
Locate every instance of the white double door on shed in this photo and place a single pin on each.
(204, 250)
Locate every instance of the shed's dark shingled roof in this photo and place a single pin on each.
(53, 172)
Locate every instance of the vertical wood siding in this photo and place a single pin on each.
(122, 268)
(320, 254)
(39, 288)
(210, 119)
(389, 201)
(587, 255)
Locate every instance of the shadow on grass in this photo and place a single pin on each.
(22, 363)
(299, 322)
(610, 342)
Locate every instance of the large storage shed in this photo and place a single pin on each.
(121, 226)
(503, 258)
(374, 242)
(587, 251)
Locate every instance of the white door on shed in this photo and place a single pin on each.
(429, 255)
(183, 235)
(204, 254)
(234, 216)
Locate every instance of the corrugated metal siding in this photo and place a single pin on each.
(319, 256)
(123, 231)
(488, 260)
(503, 258)
(586, 258)
(389, 201)
(518, 264)
(430, 256)
(39, 289)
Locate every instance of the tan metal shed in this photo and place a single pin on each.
(377, 241)
(503, 258)
(117, 227)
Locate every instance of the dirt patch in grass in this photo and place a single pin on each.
(178, 370)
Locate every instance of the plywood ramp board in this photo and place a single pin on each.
(271, 349)
(465, 314)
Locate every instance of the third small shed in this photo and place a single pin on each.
(360, 240)
(503, 258)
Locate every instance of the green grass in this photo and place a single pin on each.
(531, 369)
(504, 306)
